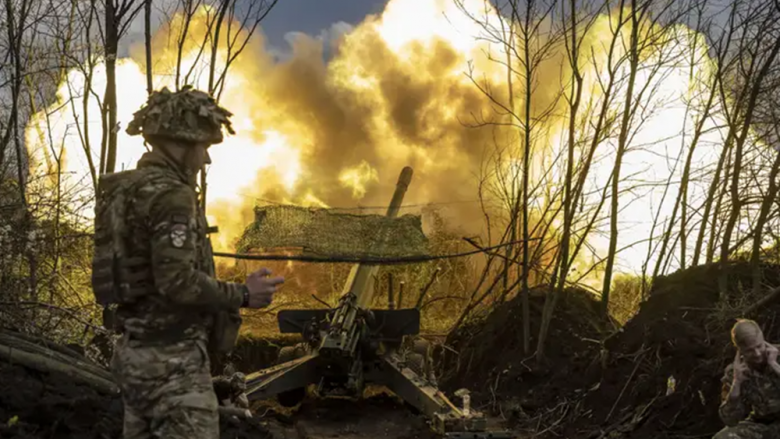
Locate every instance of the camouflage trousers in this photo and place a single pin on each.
(750, 430)
(166, 390)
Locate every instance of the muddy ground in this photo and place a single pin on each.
(37, 405)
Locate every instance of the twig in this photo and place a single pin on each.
(493, 397)
(636, 418)
(49, 306)
(773, 294)
(425, 289)
(438, 299)
(321, 301)
(444, 346)
(694, 308)
(565, 412)
(625, 386)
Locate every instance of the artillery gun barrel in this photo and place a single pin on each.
(358, 291)
(363, 288)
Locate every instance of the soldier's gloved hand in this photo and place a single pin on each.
(262, 287)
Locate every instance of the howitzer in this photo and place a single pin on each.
(351, 345)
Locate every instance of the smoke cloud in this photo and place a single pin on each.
(334, 121)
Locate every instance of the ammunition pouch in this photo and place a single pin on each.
(226, 324)
(224, 331)
(121, 280)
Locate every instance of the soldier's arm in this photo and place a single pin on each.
(171, 213)
(733, 409)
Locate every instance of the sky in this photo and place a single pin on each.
(287, 18)
(312, 18)
(316, 18)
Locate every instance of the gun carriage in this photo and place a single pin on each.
(351, 345)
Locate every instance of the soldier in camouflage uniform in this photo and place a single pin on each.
(170, 298)
(751, 387)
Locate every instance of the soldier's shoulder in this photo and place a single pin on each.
(154, 176)
(153, 183)
(159, 191)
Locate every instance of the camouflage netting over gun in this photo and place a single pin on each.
(331, 232)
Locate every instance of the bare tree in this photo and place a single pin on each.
(701, 108)
(577, 22)
(118, 16)
(761, 50)
(767, 129)
(527, 39)
(18, 29)
(227, 31)
(148, 45)
(646, 36)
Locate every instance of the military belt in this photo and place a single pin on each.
(167, 334)
(161, 336)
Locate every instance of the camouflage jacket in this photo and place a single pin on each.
(168, 228)
(759, 397)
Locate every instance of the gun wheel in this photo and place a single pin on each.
(422, 347)
(293, 397)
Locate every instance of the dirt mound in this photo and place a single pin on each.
(36, 405)
(492, 364)
(680, 333)
(40, 405)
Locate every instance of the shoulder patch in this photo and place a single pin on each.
(178, 234)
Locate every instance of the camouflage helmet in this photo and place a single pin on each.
(187, 115)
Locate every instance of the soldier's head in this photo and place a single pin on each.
(181, 125)
(749, 340)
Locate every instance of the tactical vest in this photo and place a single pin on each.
(117, 278)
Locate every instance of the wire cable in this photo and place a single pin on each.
(363, 260)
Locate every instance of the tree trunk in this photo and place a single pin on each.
(568, 213)
(766, 205)
(109, 101)
(622, 144)
(148, 44)
(736, 202)
(682, 195)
